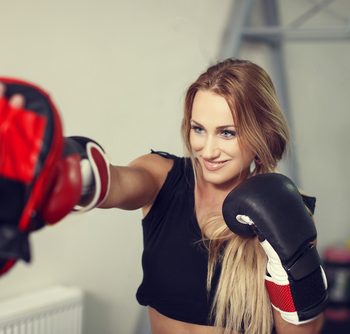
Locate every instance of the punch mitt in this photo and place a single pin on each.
(31, 143)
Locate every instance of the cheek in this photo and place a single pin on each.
(247, 158)
(231, 148)
(196, 142)
(234, 150)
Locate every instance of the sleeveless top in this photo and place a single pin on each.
(174, 259)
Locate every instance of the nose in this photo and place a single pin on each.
(210, 149)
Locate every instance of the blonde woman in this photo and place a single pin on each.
(202, 274)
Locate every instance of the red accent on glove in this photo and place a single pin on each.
(100, 161)
(280, 296)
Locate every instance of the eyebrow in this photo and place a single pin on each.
(221, 127)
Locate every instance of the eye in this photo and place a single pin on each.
(197, 129)
(228, 134)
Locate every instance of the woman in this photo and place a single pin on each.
(199, 277)
(232, 128)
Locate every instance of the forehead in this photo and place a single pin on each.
(211, 107)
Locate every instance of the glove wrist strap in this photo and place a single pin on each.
(96, 178)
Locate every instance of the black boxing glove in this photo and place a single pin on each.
(270, 206)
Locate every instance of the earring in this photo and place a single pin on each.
(252, 166)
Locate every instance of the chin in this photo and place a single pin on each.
(218, 179)
(225, 180)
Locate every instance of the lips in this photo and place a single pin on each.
(213, 165)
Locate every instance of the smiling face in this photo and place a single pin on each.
(214, 143)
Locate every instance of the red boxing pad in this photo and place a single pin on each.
(31, 142)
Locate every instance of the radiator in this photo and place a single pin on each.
(56, 310)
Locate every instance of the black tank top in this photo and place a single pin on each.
(174, 258)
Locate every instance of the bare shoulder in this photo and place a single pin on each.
(154, 164)
(156, 167)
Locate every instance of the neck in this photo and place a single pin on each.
(204, 187)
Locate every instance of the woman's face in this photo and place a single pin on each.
(213, 139)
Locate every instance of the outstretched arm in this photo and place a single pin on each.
(44, 176)
(137, 185)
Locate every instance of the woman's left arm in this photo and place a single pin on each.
(270, 206)
(283, 327)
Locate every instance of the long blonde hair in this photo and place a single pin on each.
(241, 303)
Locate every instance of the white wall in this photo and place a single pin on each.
(118, 71)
